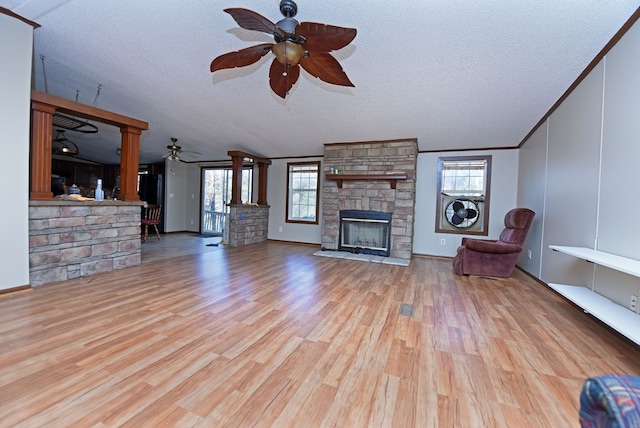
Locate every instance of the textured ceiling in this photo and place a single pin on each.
(453, 74)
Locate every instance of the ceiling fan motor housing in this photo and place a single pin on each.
(288, 8)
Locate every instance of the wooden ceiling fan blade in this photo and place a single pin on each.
(323, 37)
(282, 78)
(251, 20)
(190, 152)
(241, 58)
(326, 68)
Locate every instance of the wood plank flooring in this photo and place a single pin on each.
(271, 336)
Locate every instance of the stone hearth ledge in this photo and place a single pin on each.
(362, 257)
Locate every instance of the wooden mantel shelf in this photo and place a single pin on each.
(392, 178)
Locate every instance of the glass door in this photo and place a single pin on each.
(216, 194)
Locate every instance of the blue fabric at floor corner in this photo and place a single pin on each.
(610, 401)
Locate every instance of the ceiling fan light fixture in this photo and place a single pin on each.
(288, 53)
(294, 42)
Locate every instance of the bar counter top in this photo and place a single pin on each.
(83, 202)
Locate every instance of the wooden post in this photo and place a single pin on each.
(237, 159)
(41, 144)
(262, 183)
(44, 106)
(236, 184)
(129, 163)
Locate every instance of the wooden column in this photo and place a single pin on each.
(262, 183)
(237, 159)
(41, 144)
(129, 163)
(236, 184)
(44, 106)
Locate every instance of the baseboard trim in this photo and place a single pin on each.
(307, 244)
(15, 289)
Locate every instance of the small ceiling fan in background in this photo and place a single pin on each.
(306, 44)
(175, 151)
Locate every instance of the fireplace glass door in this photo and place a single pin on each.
(367, 232)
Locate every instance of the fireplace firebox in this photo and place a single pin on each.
(366, 232)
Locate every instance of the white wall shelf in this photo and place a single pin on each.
(617, 317)
(622, 264)
(621, 319)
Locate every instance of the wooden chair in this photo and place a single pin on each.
(151, 217)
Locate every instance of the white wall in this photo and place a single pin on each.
(619, 200)
(504, 169)
(531, 193)
(426, 241)
(175, 196)
(582, 167)
(279, 229)
(182, 196)
(573, 150)
(192, 195)
(184, 183)
(16, 51)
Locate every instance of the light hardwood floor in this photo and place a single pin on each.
(271, 336)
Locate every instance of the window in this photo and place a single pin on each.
(462, 204)
(302, 192)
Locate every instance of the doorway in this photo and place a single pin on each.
(216, 194)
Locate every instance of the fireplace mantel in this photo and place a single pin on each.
(392, 178)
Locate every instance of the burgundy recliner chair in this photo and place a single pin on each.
(495, 258)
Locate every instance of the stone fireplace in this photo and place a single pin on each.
(377, 176)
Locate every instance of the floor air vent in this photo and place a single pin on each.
(406, 309)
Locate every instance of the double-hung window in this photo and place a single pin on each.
(303, 180)
(462, 204)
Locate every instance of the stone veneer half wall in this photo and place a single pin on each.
(70, 239)
(248, 224)
(376, 157)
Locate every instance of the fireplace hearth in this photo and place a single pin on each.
(365, 232)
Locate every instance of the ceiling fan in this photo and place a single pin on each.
(306, 44)
(174, 151)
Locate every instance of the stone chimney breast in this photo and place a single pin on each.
(376, 158)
